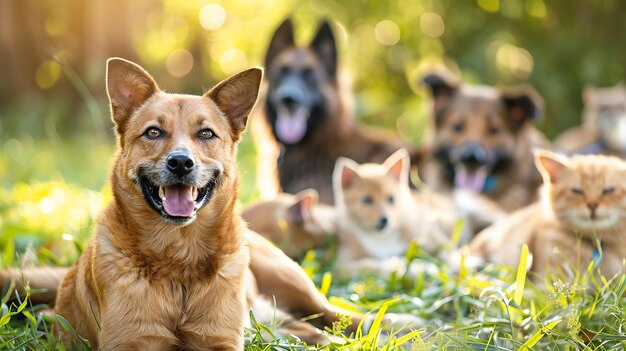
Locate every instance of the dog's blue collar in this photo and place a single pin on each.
(490, 183)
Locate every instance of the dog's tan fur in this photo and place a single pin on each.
(495, 120)
(146, 283)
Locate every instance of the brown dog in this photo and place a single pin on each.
(168, 261)
(168, 267)
(307, 122)
(482, 140)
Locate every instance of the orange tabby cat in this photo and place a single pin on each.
(581, 218)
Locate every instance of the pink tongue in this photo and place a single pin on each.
(474, 181)
(290, 128)
(178, 201)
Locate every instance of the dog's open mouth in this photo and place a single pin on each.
(176, 202)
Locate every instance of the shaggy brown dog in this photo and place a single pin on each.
(482, 140)
(307, 122)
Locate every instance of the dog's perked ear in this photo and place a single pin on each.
(442, 85)
(236, 96)
(300, 212)
(522, 104)
(282, 39)
(128, 87)
(324, 46)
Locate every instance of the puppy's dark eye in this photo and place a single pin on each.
(608, 190)
(206, 134)
(391, 199)
(577, 191)
(458, 127)
(367, 200)
(153, 133)
(494, 130)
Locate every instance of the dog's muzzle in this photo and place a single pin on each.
(174, 192)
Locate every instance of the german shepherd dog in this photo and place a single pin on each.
(482, 140)
(169, 265)
(307, 122)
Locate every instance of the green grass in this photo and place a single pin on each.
(43, 207)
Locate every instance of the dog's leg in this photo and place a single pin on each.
(277, 275)
(43, 281)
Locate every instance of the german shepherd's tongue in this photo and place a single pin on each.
(291, 126)
(473, 180)
(179, 200)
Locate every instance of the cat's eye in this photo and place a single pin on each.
(608, 190)
(206, 134)
(367, 200)
(153, 133)
(391, 199)
(577, 191)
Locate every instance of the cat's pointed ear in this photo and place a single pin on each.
(589, 95)
(551, 165)
(301, 211)
(398, 165)
(345, 173)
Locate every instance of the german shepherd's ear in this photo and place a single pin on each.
(522, 104)
(324, 46)
(442, 84)
(236, 96)
(128, 87)
(398, 165)
(281, 40)
(551, 165)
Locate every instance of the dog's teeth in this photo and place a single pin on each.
(162, 193)
(194, 193)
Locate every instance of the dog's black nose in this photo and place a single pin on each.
(473, 156)
(382, 222)
(289, 99)
(179, 163)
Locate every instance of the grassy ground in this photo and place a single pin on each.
(50, 194)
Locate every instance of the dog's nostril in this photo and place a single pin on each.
(179, 163)
(382, 222)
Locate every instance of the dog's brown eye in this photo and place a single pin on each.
(459, 127)
(206, 134)
(577, 191)
(608, 190)
(153, 133)
(494, 130)
(391, 199)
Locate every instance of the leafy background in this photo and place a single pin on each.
(57, 140)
